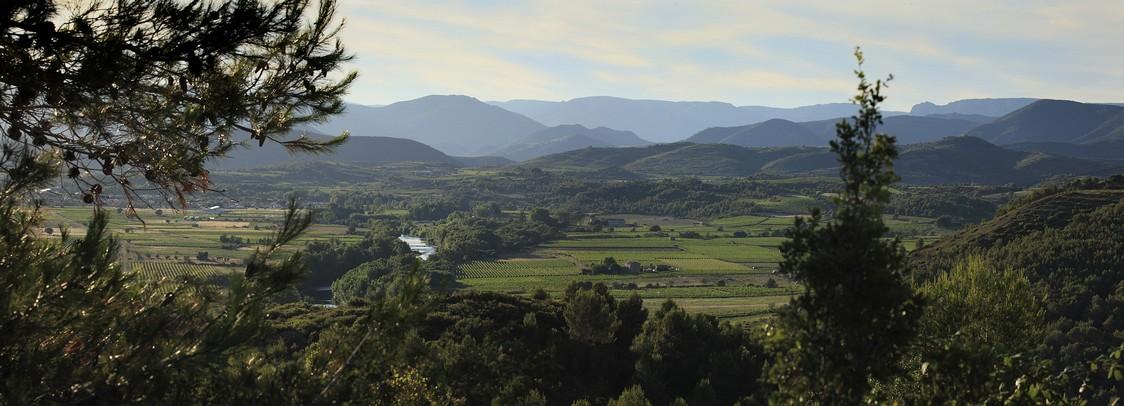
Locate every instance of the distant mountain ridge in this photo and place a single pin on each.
(992, 107)
(771, 133)
(568, 137)
(907, 129)
(465, 126)
(665, 121)
(458, 125)
(356, 149)
(949, 160)
(779, 133)
(1057, 121)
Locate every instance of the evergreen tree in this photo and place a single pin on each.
(591, 314)
(145, 91)
(127, 92)
(633, 396)
(857, 314)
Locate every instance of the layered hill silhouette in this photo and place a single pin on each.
(908, 129)
(1108, 151)
(950, 160)
(1056, 121)
(770, 133)
(665, 121)
(567, 137)
(985, 107)
(449, 126)
(357, 149)
(457, 125)
(778, 133)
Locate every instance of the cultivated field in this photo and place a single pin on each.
(711, 270)
(715, 273)
(184, 235)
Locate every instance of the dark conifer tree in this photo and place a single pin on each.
(858, 313)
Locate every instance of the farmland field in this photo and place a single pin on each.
(717, 274)
(182, 236)
(529, 267)
(155, 271)
(164, 277)
(711, 272)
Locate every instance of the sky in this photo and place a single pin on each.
(772, 53)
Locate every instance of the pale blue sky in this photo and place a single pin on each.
(775, 53)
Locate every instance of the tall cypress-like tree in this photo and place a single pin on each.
(858, 313)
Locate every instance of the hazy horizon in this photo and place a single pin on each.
(776, 54)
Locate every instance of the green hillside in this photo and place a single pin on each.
(972, 160)
(1108, 151)
(1068, 241)
(712, 160)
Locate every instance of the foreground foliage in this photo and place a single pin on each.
(857, 313)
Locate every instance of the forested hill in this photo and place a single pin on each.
(1068, 241)
(950, 160)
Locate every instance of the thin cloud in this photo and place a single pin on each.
(761, 52)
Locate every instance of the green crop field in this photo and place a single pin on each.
(705, 265)
(529, 267)
(716, 274)
(706, 292)
(734, 250)
(162, 277)
(156, 271)
(609, 244)
(643, 257)
(183, 235)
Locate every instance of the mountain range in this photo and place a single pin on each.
(665, 121)
(465, 126)
(1056, 121)
(458, 125)
(984, 107)
(356, 149)
(444, 129)
(771, 133)
(949, 160)
(779, 132)
(567, 137)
